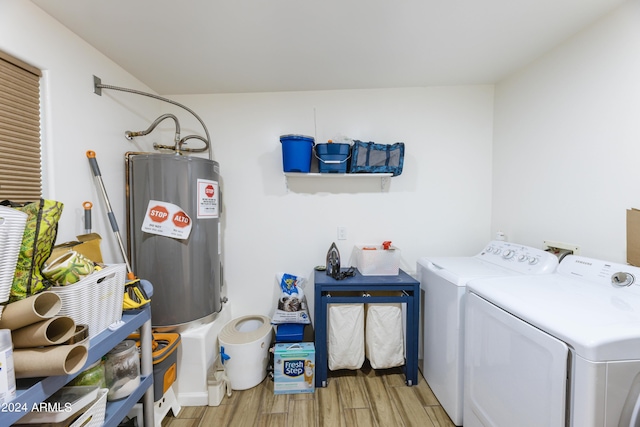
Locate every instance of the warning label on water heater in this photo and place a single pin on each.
(208, 199)
(166, 219)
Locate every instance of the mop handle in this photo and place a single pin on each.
(91, 155)
(87, 216)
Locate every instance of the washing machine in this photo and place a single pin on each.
(554, 350)
(443, 283)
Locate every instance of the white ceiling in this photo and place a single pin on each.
(226, 46)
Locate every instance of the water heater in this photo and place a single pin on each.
(173, 207)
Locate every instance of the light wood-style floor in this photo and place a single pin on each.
(365, 397)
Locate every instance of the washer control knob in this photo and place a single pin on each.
(622, 279)
(508, 254)
(533, 260)
(522, 258)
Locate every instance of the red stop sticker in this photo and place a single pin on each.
(158, 214)
(209, 191)
(181, 219)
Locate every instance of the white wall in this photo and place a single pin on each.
(566, 143)
(75, 119)
(439, 205)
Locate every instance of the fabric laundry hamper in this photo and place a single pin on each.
(384, 335)
(345, 337)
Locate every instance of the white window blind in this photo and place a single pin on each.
(20, 159)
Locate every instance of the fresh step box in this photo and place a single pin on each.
(294, 368)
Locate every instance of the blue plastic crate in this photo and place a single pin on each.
(289, 332)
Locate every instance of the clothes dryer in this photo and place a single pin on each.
(443, 283)
(554, 350)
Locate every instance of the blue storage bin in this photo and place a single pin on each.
(332, 157)
(289, 332)
(296, 152)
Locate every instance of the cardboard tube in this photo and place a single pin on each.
(81, 334)
(52, 331)
(30, 310)
(48, 361)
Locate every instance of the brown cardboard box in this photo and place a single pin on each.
(87, 244)
(633, 236)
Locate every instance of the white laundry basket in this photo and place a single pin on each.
(12, 224)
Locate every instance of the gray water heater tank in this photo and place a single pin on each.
(173, 207)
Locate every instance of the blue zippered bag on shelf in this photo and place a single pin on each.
(369, 157)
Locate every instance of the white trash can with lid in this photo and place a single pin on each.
(244, 349)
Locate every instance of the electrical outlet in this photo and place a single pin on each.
(575, 249)
(342, 233)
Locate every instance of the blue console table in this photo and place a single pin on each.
(358, 289)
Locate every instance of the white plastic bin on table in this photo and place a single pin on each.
(375, 260)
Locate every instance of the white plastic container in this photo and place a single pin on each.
(7, 374)
(216, 386)
(374, 260)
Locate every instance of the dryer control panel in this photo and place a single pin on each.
(523, 259)
(601, 272)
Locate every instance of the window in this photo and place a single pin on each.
(20, 159)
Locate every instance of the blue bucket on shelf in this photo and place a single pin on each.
(332, 157)
(296, 152)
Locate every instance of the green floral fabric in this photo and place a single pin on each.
(39, 236)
